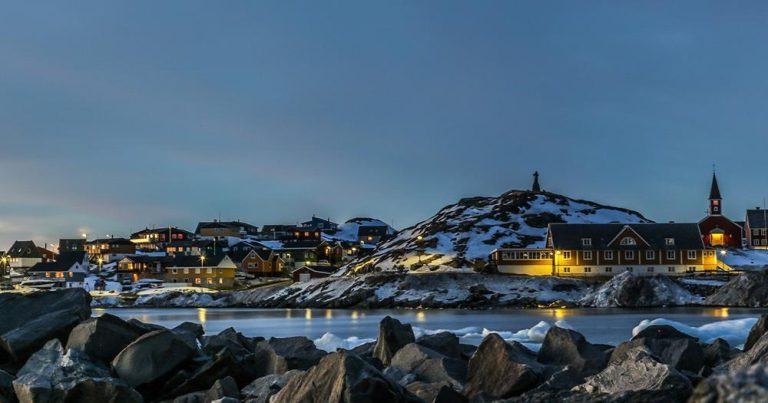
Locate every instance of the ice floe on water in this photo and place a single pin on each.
(330, 342)
(733, 331)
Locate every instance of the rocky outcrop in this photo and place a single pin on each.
(719, 352)
(758, 330)
(429, 366)
(260, 390)
(104, 337)
(298, 352)
(563, 347)
(667, 345)
(750, 289)
(151, 357)
(342, 377)
(393, 336)
(629, 290)
(757, 354)
(500, 370)
(445, 343)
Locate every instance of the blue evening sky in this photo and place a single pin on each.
(119, 115)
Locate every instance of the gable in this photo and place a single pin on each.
(629, 233)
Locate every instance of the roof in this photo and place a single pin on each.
(310, 244)
(569, 236)
(23, 249)
(714, 191)
(238, 225)
(140, 234)
(148, 258)
(193, 261)
(72, 257)
(201, 243)
(110, 241)
(320, 269)
(266, 229)
(316, 221)
(65, 262)
(757, 218)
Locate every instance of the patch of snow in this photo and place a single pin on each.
(746, 259)
(329, 342)
(696, 281)
(734, 331)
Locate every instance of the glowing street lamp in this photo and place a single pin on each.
(202, 260)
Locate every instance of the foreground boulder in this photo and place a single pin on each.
(342, 377)
(719, 352)
(299, 352)
(225, 388)
(393, 335)
(500, 370)
(445, 343)
(151, 357)
(52, 374)
(639, 371)
(104, 337)
(435, 392)
(746, 290)
(260, 390)
(757, 354)
(668, 345)
(567, 347)
(429, 366)
(21, 342)
(758, 330)
(742, 385)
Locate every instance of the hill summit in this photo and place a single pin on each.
(463, 234)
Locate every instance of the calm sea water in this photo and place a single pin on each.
(599, 325)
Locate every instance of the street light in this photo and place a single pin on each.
(101, 261)
(202, 260)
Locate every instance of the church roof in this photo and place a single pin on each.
(714, 192)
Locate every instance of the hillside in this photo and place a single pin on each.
(463, 234)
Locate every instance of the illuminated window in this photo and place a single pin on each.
(567, 255)
(210, 281)
(197, 280)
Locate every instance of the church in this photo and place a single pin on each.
(716, 229)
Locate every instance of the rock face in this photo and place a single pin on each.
(430, 366)
(393, 336)
(445, 343)
(260, 390)
(225, 388)
(742, 385)
(151, 357)
(567, 347)
(298, 352)
(640, 371)
(103, 337)
(747, 290)
(629, 290)
(758, 330)
(719, 352)
(342, 377)
(668, 345)
(757, 354)
(500, 370)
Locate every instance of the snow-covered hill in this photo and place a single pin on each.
(466, 232)
(349, 230)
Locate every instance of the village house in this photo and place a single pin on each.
(217, 271)
(153, 240)
(107, 250)
(67, 271)
(262, 262)
(298, 253)
(195, 247)
(25, 254)
(756, 228)
(321, 224)
(309, 272)
(71, 245)
(235, 229)
(275, 231)
(610, 249)
(716, 229)
(133, 268)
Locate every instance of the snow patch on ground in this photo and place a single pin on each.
(617, 292)
(734, 331)
(329, 342)
(746, 259)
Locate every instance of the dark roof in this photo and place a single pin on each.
(372, 230)
(202, 243)
(72, 257)
(310, 244)
(266, 229)
(110, 241)
(158, 231)
(569, 236)
(714, 191)
(50, 266)
(321, 269)
(148, 258)
(316, 221)
(26, 249)
(757, 218)
(238, 225)
(192, 261)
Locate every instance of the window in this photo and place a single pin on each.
(669, 241)
(174, 271)
(755, 242)
(609, 269)
(209, 270)
(587, 255)
(586, 241)
(186, 271)
(210, 281)
(197, 280)
(629, 254)
(650, 270)
(691, 254)
(221, 281)
(608, 255)
(567, 255)
(587, 270)
(251, 265)
(763, 232)
(627, 241)
(670, 254)
(186, 280)
(566, 269)
(650, 254)
(755, 232)
(671, 269)
(691, 269)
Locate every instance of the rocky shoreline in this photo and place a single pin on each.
(473, 291)
(51, 350)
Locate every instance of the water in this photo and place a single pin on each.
(599, 325)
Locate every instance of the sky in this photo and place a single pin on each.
(116, 116)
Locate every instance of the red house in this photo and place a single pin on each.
(716, 229)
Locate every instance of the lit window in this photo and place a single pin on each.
(197, 280)
(691, 254)
(567, 255)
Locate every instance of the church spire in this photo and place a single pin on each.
(536, 188)
(715, 200)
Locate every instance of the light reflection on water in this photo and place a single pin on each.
(609, 325)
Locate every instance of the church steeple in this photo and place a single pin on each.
(536, 188)
(715, 200)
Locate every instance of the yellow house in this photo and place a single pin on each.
(216, 271)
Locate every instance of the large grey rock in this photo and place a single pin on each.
(435, 392)
(718, 352)
(639, 371)
(103, 337)
(749, 289)
(260, 390)
(445, 343)
(151, 357)
(683, 353)
(21, 342)
(662, 332)
(756, 332)
(500, 370)
(53, 374)
(567, 347)
(242, 369)
(342, 377)
(19, 309)
(393, 335)
(430, 366)
(231, 339)
(757, 354)
(225, 388)
(742, 385)
(299, 352)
